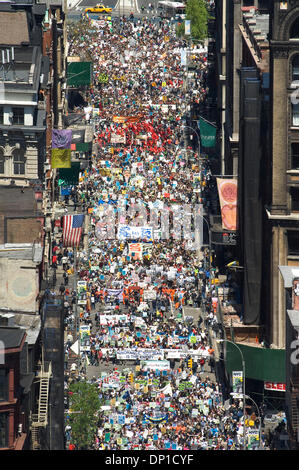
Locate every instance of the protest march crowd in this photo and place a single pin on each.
(137, 274)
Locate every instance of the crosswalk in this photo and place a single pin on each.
(125, 7)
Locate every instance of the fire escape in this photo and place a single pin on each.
(295, 408)
(40, 420)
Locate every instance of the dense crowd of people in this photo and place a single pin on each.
(138, 273)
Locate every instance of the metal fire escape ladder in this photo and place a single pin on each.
(41, 418)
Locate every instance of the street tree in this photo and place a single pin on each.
(196, 11)
(84, 407)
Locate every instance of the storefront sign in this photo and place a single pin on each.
(279, 387)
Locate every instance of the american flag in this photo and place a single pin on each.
(72, 229)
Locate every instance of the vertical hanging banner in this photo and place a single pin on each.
(228, 194)
(237, 385)
(183, 57)
(61, 158)
(207, 133)
(61, 138)
(61, 148)
(187, 27)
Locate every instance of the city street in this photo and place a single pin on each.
(145, 309)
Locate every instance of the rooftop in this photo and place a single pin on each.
(13, 28)
(11, 337)
(10, 198)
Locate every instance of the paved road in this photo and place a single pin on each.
(120, 7)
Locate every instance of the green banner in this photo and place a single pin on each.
(207, 133)
(69, 176)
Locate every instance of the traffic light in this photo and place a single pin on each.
(131, 378)
(190, 363)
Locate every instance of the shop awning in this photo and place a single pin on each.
(79, 74)
(263, 364)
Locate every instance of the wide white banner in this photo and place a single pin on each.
(127, 232)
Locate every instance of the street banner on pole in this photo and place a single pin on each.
(228, 193)
(187, 27)
(207, 133)
(237, 379)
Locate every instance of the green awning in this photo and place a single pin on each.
(79, 73)
(69, 176)
(263, 364)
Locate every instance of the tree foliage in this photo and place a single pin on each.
(196, 11)
(84, 405)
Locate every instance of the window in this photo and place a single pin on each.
(18, 116)
(2, 163)
(3, 384)
(295, 69)
(294, 31)
(18, 162)
(294, 199)
(293, 242)
(3, 429)
(295, 115)
(1, 115)
(295, 156)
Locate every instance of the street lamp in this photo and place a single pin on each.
(198, 140)
(210, 242)
(243, 369)
(236, 395)
(194, 130)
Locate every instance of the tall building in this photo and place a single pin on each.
(32, 82)
(248, 89)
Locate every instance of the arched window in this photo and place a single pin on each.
(295, 69)
(294, 30)
(18, 162)
(2, 162)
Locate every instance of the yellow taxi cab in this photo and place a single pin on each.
(98, 9)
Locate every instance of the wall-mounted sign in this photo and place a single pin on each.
(279, 387)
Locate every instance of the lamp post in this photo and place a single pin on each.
(210, 244)
(194, 130)
(258, 411)
(243, 369)
(198, 142)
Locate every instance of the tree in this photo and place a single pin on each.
(196, 11)
(84, 404)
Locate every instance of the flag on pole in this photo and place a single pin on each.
(72, 230)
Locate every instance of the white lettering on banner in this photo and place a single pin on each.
(280, 387)
(156, 365)
(128, 232)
